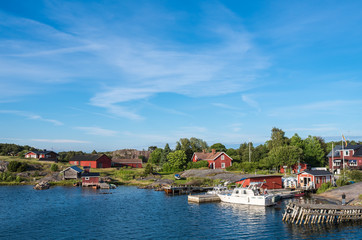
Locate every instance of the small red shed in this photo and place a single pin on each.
(313, 179)
(90, 179)
(92, 161)
(269, 181)
(215, 159)
(133, 162)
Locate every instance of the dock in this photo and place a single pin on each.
(178, 190)
(320, 213)
(203, 198)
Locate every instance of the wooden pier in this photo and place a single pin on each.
(203, 198)
(178, 190)
(320, 213)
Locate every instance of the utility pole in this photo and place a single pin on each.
(249, 152)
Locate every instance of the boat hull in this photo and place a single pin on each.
(249, 200)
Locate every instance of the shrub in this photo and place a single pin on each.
(341, 182)
(324, 187)
(13, 166)
(54, 167)
(199, 164)
(355, 175)
(23, 167)
(148, 169)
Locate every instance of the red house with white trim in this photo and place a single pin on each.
(313, 179)
(215, 159)
(352, 155)
(92, 161)
(42, 155)
(269, 181)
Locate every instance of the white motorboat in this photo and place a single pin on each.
(219, 189)
(251, 195)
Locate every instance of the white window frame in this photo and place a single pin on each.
(346, 153)
(222, 157)
(353, 165)
(222, 165)
(86, 178)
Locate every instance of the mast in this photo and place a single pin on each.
(344, 172)
(249, 152)
(332, 158)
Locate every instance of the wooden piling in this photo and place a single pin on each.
(320, 213)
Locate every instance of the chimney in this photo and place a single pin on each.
(213, 151)
(203, 151)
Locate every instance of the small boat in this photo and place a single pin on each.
(177, 176)
(299, 195)
(251, 195)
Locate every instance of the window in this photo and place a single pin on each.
(353, 163)
(346, 153)
(222, 157)
(87, 178)
(222, 165)
(337, 163)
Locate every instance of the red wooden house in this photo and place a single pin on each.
(269, 181)
(350, 154)
(42, 155)
(215, 159)
(133, 162)
(296, 168)
(92, 161)
(313, 179)
(90, 179)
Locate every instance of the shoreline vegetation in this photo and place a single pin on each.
(32, 172)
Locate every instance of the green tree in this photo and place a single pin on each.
(296, 141)
(155, 156)
(94, 152)
(152, 148)
(285, 156)
(197, 145)
(177, 160)
(148, 169)
(277, 139)
(165, 152)
(313, 152)
(218, 147)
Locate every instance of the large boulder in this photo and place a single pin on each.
(3, 166)
(42, 186)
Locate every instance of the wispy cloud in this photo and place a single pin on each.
(59, 141)
(248, 99)
(31, 116)
(97, 131)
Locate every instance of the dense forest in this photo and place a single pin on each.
(278, 151)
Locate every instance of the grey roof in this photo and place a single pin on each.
(357, 150)
(88, 157)
(89, 174)
(317, 172)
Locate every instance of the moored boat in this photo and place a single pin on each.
(251, 195)
(219, 189)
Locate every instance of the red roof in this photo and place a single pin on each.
(209, 156)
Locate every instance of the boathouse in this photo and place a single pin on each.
(215, 159)
(42, 155)
(90, 179)
(351, 154)
(72, 172)
(269, 181)
(91, 160)
(313, 179)
(133, 162)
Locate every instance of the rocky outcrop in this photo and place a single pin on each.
(130, 154)
(42, 186)
(3, 166)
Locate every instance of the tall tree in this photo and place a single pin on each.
(313, 152)
(177, 160)
(277, 139)
(219, 147)
(197, 145)
(155, 156)
(285, 156)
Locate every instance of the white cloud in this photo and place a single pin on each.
(97, 131)
(251, 102)
(31, 116)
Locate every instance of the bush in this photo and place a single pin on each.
(341, 182)
(324, 187)
(199, 164)
(13, 166)
(23, 167)
(355, 175)
(54, 167)
(148, 169)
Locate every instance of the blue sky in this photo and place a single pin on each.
(107, 75)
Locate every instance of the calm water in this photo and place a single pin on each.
(131, 213)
